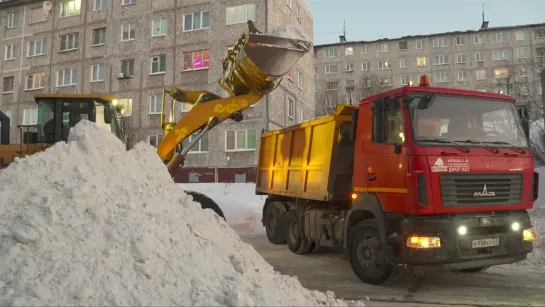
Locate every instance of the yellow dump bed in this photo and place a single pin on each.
(312, 160)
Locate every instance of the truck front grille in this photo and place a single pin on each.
(469, 189)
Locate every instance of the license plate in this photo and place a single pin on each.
(485, 243)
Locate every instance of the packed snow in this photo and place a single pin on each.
(88, 223)
(291, 32)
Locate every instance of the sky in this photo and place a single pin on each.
(375, 19)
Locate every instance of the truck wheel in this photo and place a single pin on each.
(474, 270)
(368, 256)
(273, 220)
(297, 242)
(206, 202)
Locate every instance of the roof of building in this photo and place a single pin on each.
(432, 34)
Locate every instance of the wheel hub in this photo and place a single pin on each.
(369, 251)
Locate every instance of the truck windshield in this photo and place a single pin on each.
(474, 121)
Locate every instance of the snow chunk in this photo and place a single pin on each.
(88, 223)
(291, 32)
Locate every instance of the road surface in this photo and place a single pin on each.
(327, 270)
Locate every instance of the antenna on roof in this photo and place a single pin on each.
(342, 37)
(484, 25)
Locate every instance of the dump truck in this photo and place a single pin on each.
(417, 177)
(254, 67)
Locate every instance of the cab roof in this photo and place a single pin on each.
(440, 90)
(105, 97)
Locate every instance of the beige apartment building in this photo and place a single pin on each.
(134, 49)
(506, 59)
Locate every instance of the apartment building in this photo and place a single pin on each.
(506, 59)
(134, 49)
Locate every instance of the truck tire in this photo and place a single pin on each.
(274, 222)
(297, 242)
(368, 256)
(206, 202)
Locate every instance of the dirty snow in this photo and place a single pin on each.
(88, 223)
(291, 32)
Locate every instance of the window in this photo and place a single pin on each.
(155, 104)
(289, 4)
(159, 27)
(101, 5)
(500, 73)
(463, 76)
(154, 140)
(35, 81)
(196, 21)
(291, 108)
(403, 45)
(11, 51)
(127, 2)
(332, 69)
(99, 36)
(382, 47)
(522, 72)
(403, 63)
(240, 140)
(198, 59)
(331, 102)
(441, 77)
(460, 40)
(519, 35)
(30, 116)
(9, 114)
(70, 8)
(419, 44)
(479, 57)
(521, 53)
(440, 59)
(126, 103)
(331, 52)
(350, 83)
(158, 64)
(97, 72)
(480, 74)
(331, 86)
(240, 13)
(439, 42)
(127, 67)
(385, 81)
(421, 61)
(540, 34)
(461, 58)
(365, 49)
(350, 67)
(199, 147)
(37, 47)
(7, 84)
(298, 13)
(500, 37)
(66, 77)
(477, 39)
(290, 76)
(300, 79)
(349, 51)
(36, 15)
(129, 32)
(392, 127)
(299, 115)
(366, 65)
(404, 80)
(384, 65)
(13, 20)
(70, 41)
(540, 52)
(500, 55)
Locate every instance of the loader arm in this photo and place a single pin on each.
(253, 68)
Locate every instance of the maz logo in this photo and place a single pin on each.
(484, 193)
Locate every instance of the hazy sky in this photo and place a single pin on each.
(374, 19)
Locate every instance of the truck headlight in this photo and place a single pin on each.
(423, 242)
(528, 235)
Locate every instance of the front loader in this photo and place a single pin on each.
(252, 69)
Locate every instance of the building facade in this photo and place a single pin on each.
(506, 59)
(134, 49)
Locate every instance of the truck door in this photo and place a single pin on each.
(385, 156)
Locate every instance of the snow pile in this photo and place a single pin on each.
(88, 223)
(291, 32)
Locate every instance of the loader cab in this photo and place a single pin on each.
(58, 113)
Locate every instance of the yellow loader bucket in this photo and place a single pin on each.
(258, 61)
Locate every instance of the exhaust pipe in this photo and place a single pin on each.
(258, 61)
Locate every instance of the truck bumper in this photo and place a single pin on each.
(457, 249)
